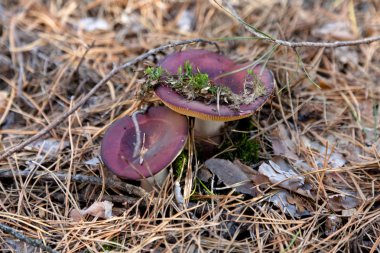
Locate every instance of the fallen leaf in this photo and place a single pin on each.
(339, 202)
(292, 205)
(97, 209)
(310, 111)
(260, 181)
(336, 159)
(94, 161)
(347, 199)
(285, 177)
(245, 168)
(332, 224)
(302, 166)
(282, 144)
(48, 146)
(231, 175)
(204, 174)
(349, 212)
(75, 215)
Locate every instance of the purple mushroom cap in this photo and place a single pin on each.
(214, 65)
(165, 136)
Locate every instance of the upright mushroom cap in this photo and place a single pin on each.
(165, 136)
(214, 65)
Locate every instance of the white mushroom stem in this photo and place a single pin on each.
(157, 180)
(207, 128)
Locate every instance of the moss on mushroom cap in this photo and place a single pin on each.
(214, 65)
(165, 136)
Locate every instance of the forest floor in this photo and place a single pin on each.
(310, 158)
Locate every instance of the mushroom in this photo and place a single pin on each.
(222, 71)
(164, 134)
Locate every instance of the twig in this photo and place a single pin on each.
(88, 48)
(110, 183)
(66, 114)
(112, 198)
(30, 241)
(79, 87)
(266, 37)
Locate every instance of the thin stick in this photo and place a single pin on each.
(51, 176)
(88, 48)
(265, 37)
(30, 241)
(66, 114)
(112, 198)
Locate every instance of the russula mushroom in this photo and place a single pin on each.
(211, 117)
(164, 134)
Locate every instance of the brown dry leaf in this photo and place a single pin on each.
(204, 174)
(336, 159)
(260, 181)
(310, 111)
(245, 168)
(231, 175)
(339, 202)
(284, 176)
(75, 215)
(347, 199)
(97, 209)
(292, 205)
(282, 144)
(333, 223)
(349, 212)
(49, 146)
(93, 161)
(336, 179)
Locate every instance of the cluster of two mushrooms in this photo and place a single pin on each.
(164, 131)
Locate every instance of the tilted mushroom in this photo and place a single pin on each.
(164, 134)
(221, 71)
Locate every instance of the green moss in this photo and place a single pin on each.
(246, 150)
(153, 73)
(192, 84)
(179, 163)
(259, 87)
(199, 81)
(195, 85)
(188, 69)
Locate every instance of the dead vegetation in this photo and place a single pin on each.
(315, 187)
